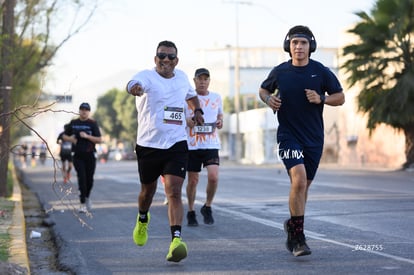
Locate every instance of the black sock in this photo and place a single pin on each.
(143, 216)
(297, 224)
(175, 231)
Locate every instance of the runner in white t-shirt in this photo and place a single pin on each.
(161, 149)
(204, 144)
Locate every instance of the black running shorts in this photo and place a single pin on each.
(203, 157)
(153, 162)
(66, 157)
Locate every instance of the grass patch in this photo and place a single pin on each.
(4, 246)
(6, 218)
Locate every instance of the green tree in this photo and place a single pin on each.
(127, 116)
(381, 63)
(107, 115)
(26, 90)
(117, 115)
(27, 49)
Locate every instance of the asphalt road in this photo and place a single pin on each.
(357, 222)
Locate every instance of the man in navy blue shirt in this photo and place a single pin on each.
(297, 90)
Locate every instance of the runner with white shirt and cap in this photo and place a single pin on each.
(204, 145)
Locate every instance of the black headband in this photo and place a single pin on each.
(300, 35)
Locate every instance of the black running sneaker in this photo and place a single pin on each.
(207, 214)
(288, 231)
(191, 217)
(300, 247)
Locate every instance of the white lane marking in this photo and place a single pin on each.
(309, 234)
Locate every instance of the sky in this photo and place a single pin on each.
(122, 36)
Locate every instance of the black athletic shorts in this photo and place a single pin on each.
(204, 157)
(66, 157)
(153, 162)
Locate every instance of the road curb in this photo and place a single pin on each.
(17, 231)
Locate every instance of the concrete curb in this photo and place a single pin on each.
(17, 231)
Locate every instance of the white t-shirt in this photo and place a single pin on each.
(161, 117)
(206, 136)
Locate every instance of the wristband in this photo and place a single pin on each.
(198, 110)
(267, 99)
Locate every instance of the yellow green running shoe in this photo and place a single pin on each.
(140, 234)
(178, 250)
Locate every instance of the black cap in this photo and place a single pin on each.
(85, 106)
(201, 71)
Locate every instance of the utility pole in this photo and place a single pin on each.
(238, 140)
(6, 81)
(238, 143)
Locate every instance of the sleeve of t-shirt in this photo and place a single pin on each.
(139, 78)
(332, 84)
(95, 130)
(270, 83)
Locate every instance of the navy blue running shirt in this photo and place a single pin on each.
(297, 116)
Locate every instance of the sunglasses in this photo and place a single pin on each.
(171, 56)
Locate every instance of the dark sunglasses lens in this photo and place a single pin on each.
(161, 55)
(164, 55)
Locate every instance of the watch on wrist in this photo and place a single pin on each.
(322, 99)
(198, 110)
